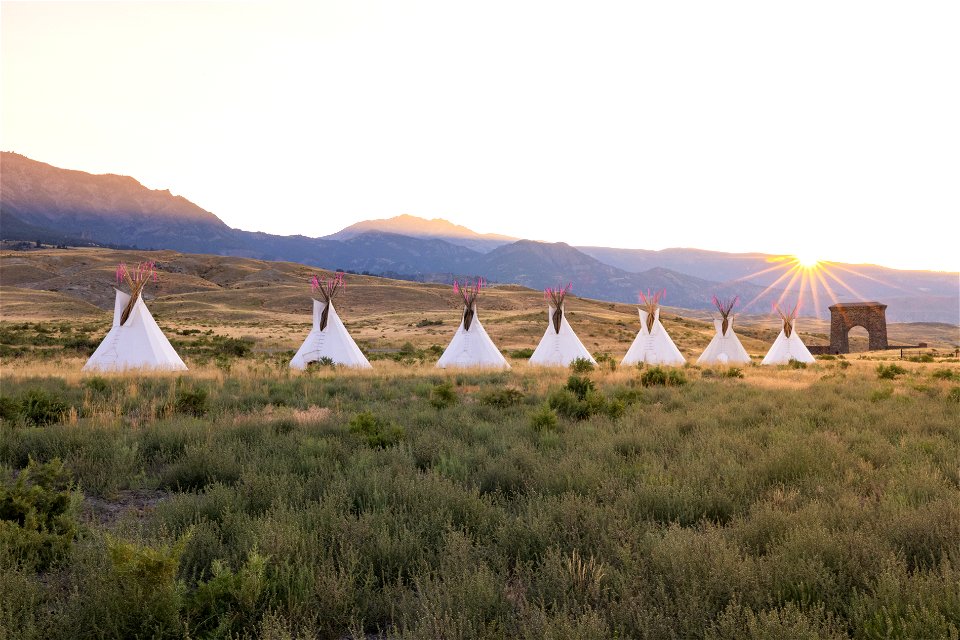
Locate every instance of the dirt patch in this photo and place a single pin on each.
(311, 414)
(139, 502)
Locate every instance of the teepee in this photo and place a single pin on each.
(560, 345)
(471, 346)
(725, 348)
(788, 345)
(652, 345)
(134, 341)
(328, 338)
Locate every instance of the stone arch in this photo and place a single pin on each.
(844, 316)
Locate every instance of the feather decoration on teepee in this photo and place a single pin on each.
(469, 293)
(650, 303)
(725, 307)
(556, 297)
(326, 290)
(788, 318)
(136, 280)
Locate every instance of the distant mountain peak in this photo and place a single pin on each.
(417, 227)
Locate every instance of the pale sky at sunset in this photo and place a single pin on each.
(735, 126)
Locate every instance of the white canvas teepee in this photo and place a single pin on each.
(560, 345)
(471, 346)
(328, 338)
(135, 341)
(788, 345)
(725, 348)
(652, 344)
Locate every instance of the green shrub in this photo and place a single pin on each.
(38, 514)
(429, 323)
(827, 356)
(732, 372)
(192, 402)
(231, 347)
(843, 364)
(39, 407)
(141, 595)
(946, 374)
(81, 344)
(502, 398)
(230, 601)
(580, 386)
(326, 362)
(796, 364)
(443, 395)
(581, 365)
(660, 376)
(376, 432)
(9, 409)
(954, 394)
(521, 354)
(926, 357)
(569, 404)
(97, 384)
(889, 372)
(544, 419)
(605, 359)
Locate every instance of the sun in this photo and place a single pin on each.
(806, 260)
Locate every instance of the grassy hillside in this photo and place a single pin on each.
(270, 303)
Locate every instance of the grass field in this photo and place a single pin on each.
(241, 500)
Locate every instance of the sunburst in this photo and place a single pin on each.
(807, 260)
(808, 281)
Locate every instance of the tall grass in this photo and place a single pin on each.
(787, 504)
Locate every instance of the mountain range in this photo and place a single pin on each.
(39, 202)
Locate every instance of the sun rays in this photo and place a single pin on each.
(803, 279)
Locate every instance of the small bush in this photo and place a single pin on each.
(605, 359)
(429, 323)
(443, 395)
(326, 362)
(889, 372)
(659, 376)
(946, 374)
(954, 395)
(827, 356)
(521, 354)
(376, 432)
(38, 514)
(502, 398)
(926, 357)
(39, 407)
(9, 409)
(97, 385)
(843, 364)
(796, 364)
(232, 347)
(580, 386)
(581, 365)
(570, 404)
(192, 402)
(230, 601)
(733, 372)
(544, 419)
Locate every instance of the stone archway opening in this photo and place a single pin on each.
(858, 339)
(871, 316)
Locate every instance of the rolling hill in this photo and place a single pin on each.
(270, 302)
(64, 207)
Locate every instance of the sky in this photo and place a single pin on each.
(825, 129)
